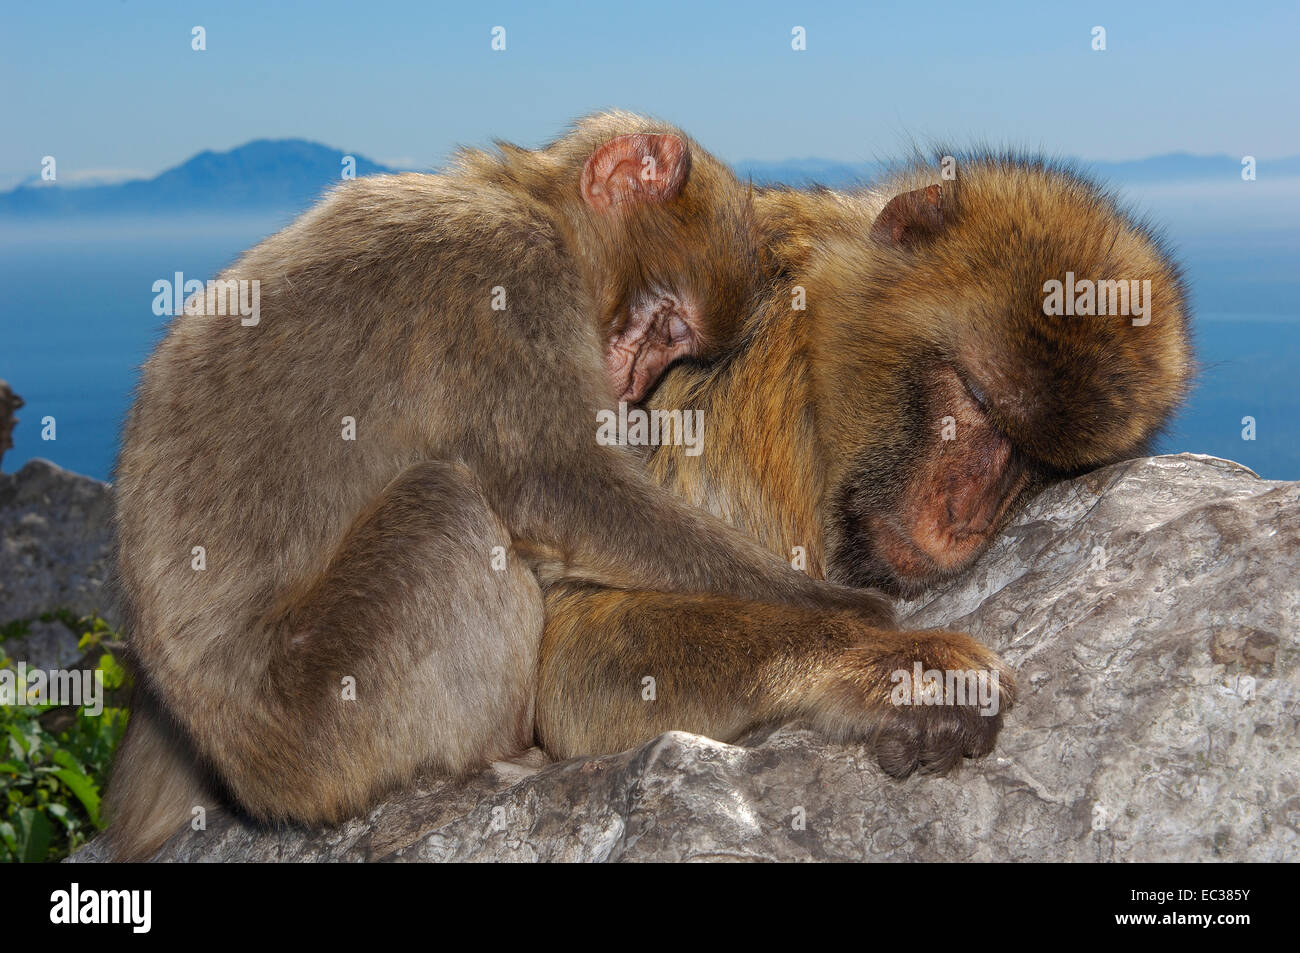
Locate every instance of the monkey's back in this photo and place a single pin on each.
(375, 305)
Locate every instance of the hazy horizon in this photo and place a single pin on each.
(1196, 77)
(99, 176)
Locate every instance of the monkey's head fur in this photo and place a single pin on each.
(664, 233)
(1020, 326)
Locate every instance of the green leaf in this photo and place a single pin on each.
(67, 759)
(18, 739)
(114, 673)
(84, 788)
(33, 835)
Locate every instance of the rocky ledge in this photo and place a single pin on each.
(1151, 610)
(55, 553)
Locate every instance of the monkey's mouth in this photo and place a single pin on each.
(659, 329)
(919, 549)
(888, 560)
(906, 561)
(913, 566)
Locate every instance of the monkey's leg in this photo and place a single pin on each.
(721, 666)
(416, 648)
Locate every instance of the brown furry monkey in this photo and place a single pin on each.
(888, 431)
(329, 521)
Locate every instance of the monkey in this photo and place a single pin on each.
(333, 524)
(886, 431)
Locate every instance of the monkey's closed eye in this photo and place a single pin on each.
(977, 394)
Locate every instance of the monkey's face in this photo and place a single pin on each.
(929, 488)
(951, 386)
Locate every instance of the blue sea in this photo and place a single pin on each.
(76, 319)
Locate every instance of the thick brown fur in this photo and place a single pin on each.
(958, 331)
(334, 566)
(828, 408)
(826, 437)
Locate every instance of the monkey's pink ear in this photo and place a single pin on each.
(635, 168)
(910, 218)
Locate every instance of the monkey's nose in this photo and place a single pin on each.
(970, 507)
(977, 523)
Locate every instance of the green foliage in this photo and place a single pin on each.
(54, 761)
(15, 629)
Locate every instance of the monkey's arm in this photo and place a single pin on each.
(604, 522)
(720, 666)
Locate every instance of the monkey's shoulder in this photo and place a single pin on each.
(450, 225)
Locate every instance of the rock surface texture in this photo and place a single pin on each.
(9, 402)
(1151, 610)
(55, 547)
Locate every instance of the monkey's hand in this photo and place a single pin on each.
(921, 699)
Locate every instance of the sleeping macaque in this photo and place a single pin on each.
(332, 523)
(883, 435)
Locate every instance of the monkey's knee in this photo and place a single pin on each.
(416, 650)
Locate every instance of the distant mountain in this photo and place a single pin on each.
(273, 175)
(264, 175)
(1184, 167)
(836, 175)
(1174, 167)
(83, 178)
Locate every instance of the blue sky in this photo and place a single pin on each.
(114, 85)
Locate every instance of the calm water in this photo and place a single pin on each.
(76, 322)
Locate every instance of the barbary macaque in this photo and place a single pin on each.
(909, 384)
(332, 523)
